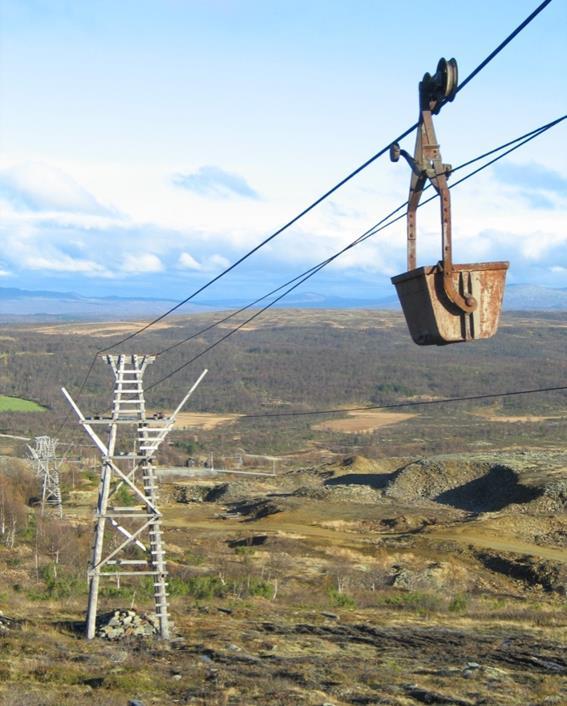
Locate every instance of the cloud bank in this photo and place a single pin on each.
(39, 187)
(54, 226)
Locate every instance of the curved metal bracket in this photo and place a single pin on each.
(396, 152)
(466, 303)
(426, 164)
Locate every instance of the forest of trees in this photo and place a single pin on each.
(293, 360)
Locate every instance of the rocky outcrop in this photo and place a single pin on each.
(257, 508)
(549, 575)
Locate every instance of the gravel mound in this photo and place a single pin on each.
(554, 497)
(315, 493)
(471, 486)
(350, 493)
(226, 492)
(361, 494)
(191, 493)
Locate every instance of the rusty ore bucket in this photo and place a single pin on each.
(431, 316)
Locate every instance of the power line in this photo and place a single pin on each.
(368, 233)
(300, 279)
(263, 243)
(235, 264)
(413, 403)
(363, 166)
(311, 271)
(381, 225)
(501, 46)
(333, 189)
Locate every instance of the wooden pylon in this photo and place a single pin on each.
(135, 473)
(46, 467)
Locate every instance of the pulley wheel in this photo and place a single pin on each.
(448, 72)
(395, 152)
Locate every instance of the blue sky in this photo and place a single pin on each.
(145, 145)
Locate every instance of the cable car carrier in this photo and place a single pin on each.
(443, 303)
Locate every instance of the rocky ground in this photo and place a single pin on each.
(261, 655)
(400, 581)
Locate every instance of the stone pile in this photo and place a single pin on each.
(191, 493)
(123, 624)
(6, 623)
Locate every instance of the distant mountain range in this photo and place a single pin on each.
(517, 297)
(23, 304)
(27, 305)
(525, 297)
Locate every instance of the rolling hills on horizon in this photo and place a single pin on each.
(24, 304)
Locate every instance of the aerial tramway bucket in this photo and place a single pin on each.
(443, 303)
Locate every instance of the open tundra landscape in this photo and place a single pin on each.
(405, 555)
(283, 336)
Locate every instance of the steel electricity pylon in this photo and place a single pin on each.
(139, 550)
(46, 466)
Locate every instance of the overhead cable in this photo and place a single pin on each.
(261, 244)
(501, 46)
(368, 233)
(333, 189)
(381, 225)
(412, 403)
(306, 210)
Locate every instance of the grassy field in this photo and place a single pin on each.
(17, 404)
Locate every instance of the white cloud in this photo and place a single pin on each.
(213, 263)
(216, 182)
(178, 230)
(217, 262)
(63, 263)
(146, 262)
(35, 187)
(188, 262)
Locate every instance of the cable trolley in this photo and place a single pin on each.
(443, 303)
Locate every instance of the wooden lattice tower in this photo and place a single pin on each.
(134, 472)
(46, 467)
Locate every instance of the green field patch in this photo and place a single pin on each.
(18, 404)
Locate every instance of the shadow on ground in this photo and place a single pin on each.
(493, 491)
(378, 481)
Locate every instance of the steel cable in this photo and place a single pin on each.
(409, 403)
(363, 166)
(381, 225)
(367, 233)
